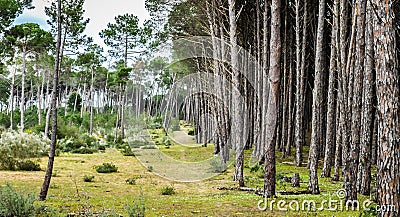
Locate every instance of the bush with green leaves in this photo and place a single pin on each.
(28, 165)
(127, 151)
(18, 146)
(191, 132)
(217, 165)
(154, 122)
(88, 178)
(131, 181)
(106, 168)
(83, 144)
(15, 203)
(137, 208)
(168, 190)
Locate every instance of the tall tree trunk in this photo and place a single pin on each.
(22, 104)
(12, 96)
(300, 82)
(49, 169)
(271, 118)
(356, 101)
(237, 106)
(364, 175)
(313, 186)
(91, 101)
(331, 114)
(350, 165)
(387, 86)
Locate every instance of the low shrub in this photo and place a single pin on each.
(127, 151)
(28, 165)
(131, 181)
(169, 190)
(106, 168)
(83, 144)
(137, 208)
(83, 151)
(14, 203)
(254, 168)
(87, 178)
(19, 146)
(154, 122)
(191, 132)
(218, 166)
(150, 168)
(148, 147)
(138, 143)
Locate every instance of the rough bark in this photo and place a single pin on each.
(313, 186)
(364, 175)
(300, 82)
(387, 87)
(271, 118)
(331, 113)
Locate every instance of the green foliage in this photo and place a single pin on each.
(28, 165)
(83, 151)
(175, 125)
(154, 122)
(74, 98)
(87, 178)
(106, 168)
(11, 9)
(14, 203)
(66, 131)
(82, 144)
(168, 190)
(138, 208)
(127, 151)
(166, 141)
(72, 14)
(191, 132)
(217, 165)
(29, 37)
(149, 147)
(138, 143)
(126, 25)
(18, 146)
(254, 168)
(371, 211)
(150, 168)
(131, 181)
(4, 120)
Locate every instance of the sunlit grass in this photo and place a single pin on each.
(110, 192)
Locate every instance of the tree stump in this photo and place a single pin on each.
(296, 180)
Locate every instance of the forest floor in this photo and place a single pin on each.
(217, 196)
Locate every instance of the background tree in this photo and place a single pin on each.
(11, 9)
(27, 38)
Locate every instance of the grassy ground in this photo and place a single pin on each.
(109, 193)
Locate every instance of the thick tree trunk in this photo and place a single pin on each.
(237, 106)
(364, 174)
(387, 86)
(331, 114)
(356, 101)
(349, 151)
(271, 118)
(313, 186)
